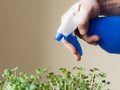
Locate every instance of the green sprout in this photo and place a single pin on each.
(67, 80)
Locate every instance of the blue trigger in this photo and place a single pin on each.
(73, 40)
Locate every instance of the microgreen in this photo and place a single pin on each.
(67, 80)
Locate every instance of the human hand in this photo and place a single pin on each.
(87, 9)
(89, 39)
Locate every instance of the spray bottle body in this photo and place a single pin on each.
(108, 29)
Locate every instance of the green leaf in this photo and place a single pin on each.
(15, 69)
(108, 82)
(1, 82)
(7, 72)
(21, 79)
(32, 77)
(45, 70)
(63, 70)
(33, 87)
(103, 75)
(15, 87)
(26, 76)
(38, 71)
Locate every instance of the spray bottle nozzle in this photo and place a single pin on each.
(58, 36)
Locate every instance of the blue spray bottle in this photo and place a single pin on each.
(107, 28)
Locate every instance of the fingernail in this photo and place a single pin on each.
(77, 56)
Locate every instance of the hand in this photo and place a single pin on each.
(89, 39)
(87, 9)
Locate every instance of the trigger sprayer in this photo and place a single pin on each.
(107, 28)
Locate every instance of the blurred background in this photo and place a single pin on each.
(27, 30)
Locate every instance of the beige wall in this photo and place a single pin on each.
(27, 30)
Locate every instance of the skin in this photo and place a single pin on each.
(90, 9)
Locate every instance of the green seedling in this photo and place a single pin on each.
(67, 80)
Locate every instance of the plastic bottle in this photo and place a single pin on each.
(107, 28)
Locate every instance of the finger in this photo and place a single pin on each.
(72, 49)
(91, 39)
(77, 56)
